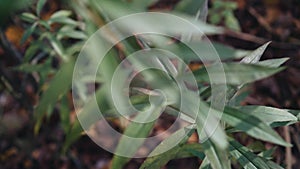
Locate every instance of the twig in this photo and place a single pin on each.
(261, 20)
(258, 40)
(288, 150)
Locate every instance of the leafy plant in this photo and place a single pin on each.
(219, 150)
(56, 41)
(222, 12)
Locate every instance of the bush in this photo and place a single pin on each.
(221, 85)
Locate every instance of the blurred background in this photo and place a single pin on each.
(248, 23)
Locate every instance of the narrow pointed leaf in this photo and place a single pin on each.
(273, 62)
(245, 157)
(269, 115)
(252, 125)
(217, 157)
(40, 5)
(28, 33)
(205, 164)
(255, 56)
(55, 90)
(179, 151)
(134, 130)
(236, 74)
(213, 137)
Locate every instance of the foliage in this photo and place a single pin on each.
(61, 37)
(222, 11)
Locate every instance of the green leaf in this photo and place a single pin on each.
(208, 126)
(236, 74)
(205, 164)
(215, 141)
(223, 52)
(62, 17)
(142, 4)
(189, 6)
(29, 17)
(45, 24)
(295, 113)
(179, 137)
(245, 157)
(273, 165)
(217, 157)
(231, 21)
(28, 33)
(273, 62)
(61, 14)
(267, 154)
(55, 90)
(269, 115)
(62, 20)
(179, 151)
(58, 48)
(71, 34)
(65, 114)
(251, 125)
(88, 115)
(255, 56)
(31, 51)
(134, 130)
(113, 10)
(39, 6)
(29, 68)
